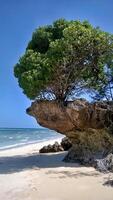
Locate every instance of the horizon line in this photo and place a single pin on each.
(22, 127)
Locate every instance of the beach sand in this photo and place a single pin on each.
(27, 175)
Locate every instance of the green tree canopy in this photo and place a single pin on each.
(64, 59)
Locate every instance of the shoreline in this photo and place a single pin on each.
(27, 175)
(30, 143)
(29, 147)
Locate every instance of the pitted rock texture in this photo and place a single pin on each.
(105, 164)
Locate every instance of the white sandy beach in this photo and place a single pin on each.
(27, 175)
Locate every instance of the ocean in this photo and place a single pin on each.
(16, 137)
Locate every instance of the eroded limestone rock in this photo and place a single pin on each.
(56, 147)
(105, 164)
(66, 143)
(89, 126)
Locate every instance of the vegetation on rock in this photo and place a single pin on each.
(90, 145)
(66, 58)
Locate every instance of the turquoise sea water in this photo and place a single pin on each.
(15, 137)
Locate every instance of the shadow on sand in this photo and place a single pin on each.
(12, 164)
(15, 164)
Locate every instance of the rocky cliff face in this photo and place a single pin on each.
(88, 125)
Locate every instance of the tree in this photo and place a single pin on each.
(66, 58)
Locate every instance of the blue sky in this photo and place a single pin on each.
(18, 19)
